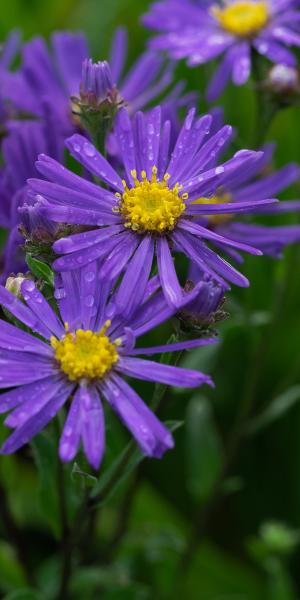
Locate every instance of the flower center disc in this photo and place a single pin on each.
(151, 205)
(242, 18)
(85, 354)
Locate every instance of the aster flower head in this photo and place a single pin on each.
(199, 33)
(151, 206)
(79, 357)
(205, 308)
(20, 149)
(259, 181)
(57, 74)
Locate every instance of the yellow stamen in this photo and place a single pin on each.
(216, 219)
(85, 354)
(151, 205)
(243, 18)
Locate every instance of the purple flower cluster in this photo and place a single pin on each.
(200, 32)
(148, 223)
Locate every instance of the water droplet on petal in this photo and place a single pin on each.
(89, 149)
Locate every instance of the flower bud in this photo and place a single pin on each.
(14, 282)
(205, 309)
(98, 102)
(283, 80)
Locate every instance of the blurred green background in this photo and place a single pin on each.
(219, 517)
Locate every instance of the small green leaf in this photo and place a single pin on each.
(203, 449)
(276, 409)
(40, 270)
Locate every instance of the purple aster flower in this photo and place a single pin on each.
(255, 185)
(56, 75)
(8, 52)
(152, 210)
(188, 29)
(20, 150)
(82, 355)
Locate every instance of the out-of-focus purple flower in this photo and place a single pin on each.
(82, 356)
(8, 52)
(152, 210)
(49, 77)
(55, 75)
(20, 150)
(254, 184)
(199, 33)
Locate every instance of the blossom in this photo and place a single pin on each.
(20, 149)
(188, 29)
(8, 51)
(152, 210)
(55, 75)
(254, 184)
(80, 356)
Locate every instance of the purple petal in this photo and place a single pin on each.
(133, 285)
(167, 273)
(39, 306)
(35, 424)
(152, 437)
(92, 425)
(93, 161)
(188, 345)
(152, 371)
(70, 437)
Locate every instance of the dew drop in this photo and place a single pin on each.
(90, 276)
(89, 150)
(89, 301)
(219, 170)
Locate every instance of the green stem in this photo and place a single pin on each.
(266, 108)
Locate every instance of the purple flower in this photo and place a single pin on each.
(255, 185)
(152, 210)
(188, 29)
(20, 150)
(55, 75)
(80, 357)
(8, 52)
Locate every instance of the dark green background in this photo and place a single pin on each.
(238, 555)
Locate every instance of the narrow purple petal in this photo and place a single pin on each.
(151, 435)
(92, 425)
(167, 273)
(188, 345)
(152, 371)
(35, 424)
(133, 285)
(70, 437)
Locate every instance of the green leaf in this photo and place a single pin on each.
(11, 573)
(45, 454)
(40, 270)
(203, 449)
(276, 409)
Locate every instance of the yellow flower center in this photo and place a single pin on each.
(151, 205)
(216, 219)
(242, 18)
(85, 354)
